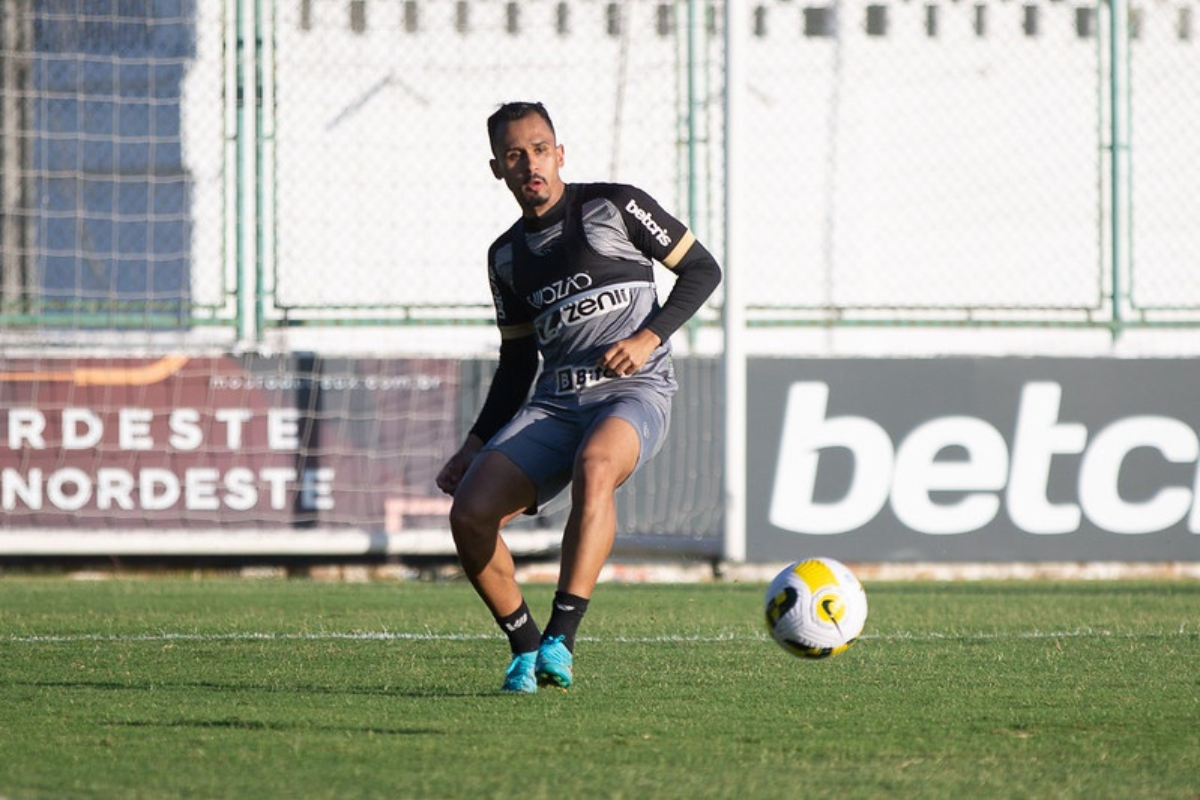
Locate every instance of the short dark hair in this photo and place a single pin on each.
(511, 112)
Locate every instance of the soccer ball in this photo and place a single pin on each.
(815, 608)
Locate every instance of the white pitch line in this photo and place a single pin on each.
(393, 636)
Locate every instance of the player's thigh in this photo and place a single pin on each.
(542, 441)
(609, 454)
(494, 491)
(631, 427)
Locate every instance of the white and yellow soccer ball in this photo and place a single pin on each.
(815, 608)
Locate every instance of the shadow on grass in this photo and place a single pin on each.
(291, 688)
(258, 725)
(1079, 588)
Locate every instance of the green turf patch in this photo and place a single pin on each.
(273, 688)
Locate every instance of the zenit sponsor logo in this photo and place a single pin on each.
(579, 310)
(934, 495)
(643, 216)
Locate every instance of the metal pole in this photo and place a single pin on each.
(733, 317)
(15, 238)
(266, 275)
(693, 35)
(248, 247)
(1118, 48)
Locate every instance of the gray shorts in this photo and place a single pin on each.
(542, 439)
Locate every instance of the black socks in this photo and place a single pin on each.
(523, 634)
(522, 631)
(565, 618)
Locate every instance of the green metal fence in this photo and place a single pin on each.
(246, 166)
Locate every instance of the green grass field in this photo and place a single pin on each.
(264, 688)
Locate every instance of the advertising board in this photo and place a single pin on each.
(228, 442)
(974, 459)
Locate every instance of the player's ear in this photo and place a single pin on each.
(561, 152)
(495, 165)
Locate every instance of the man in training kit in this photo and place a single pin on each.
(573, 281)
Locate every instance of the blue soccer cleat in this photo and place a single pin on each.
(519, 678)
(554, 663)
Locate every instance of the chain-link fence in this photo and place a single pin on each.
(385, 199)
(1164, 97)
(183, 176)
(175, 164)
(113, 177)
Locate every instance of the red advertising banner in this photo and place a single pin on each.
(224, 441)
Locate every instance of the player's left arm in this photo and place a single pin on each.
(697, 275)
(667, 240)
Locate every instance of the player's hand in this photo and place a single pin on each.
(629, 355)
(454, 469)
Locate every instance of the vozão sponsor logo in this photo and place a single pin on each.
(553, 292)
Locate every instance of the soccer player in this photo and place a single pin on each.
(572, 281)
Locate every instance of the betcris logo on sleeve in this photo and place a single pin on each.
(648, 222)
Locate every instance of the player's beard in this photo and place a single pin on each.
(536, 198)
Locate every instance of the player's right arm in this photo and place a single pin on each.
(514, 376)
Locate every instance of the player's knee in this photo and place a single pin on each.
(470, 523)
(599, 472)
(473, 542)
